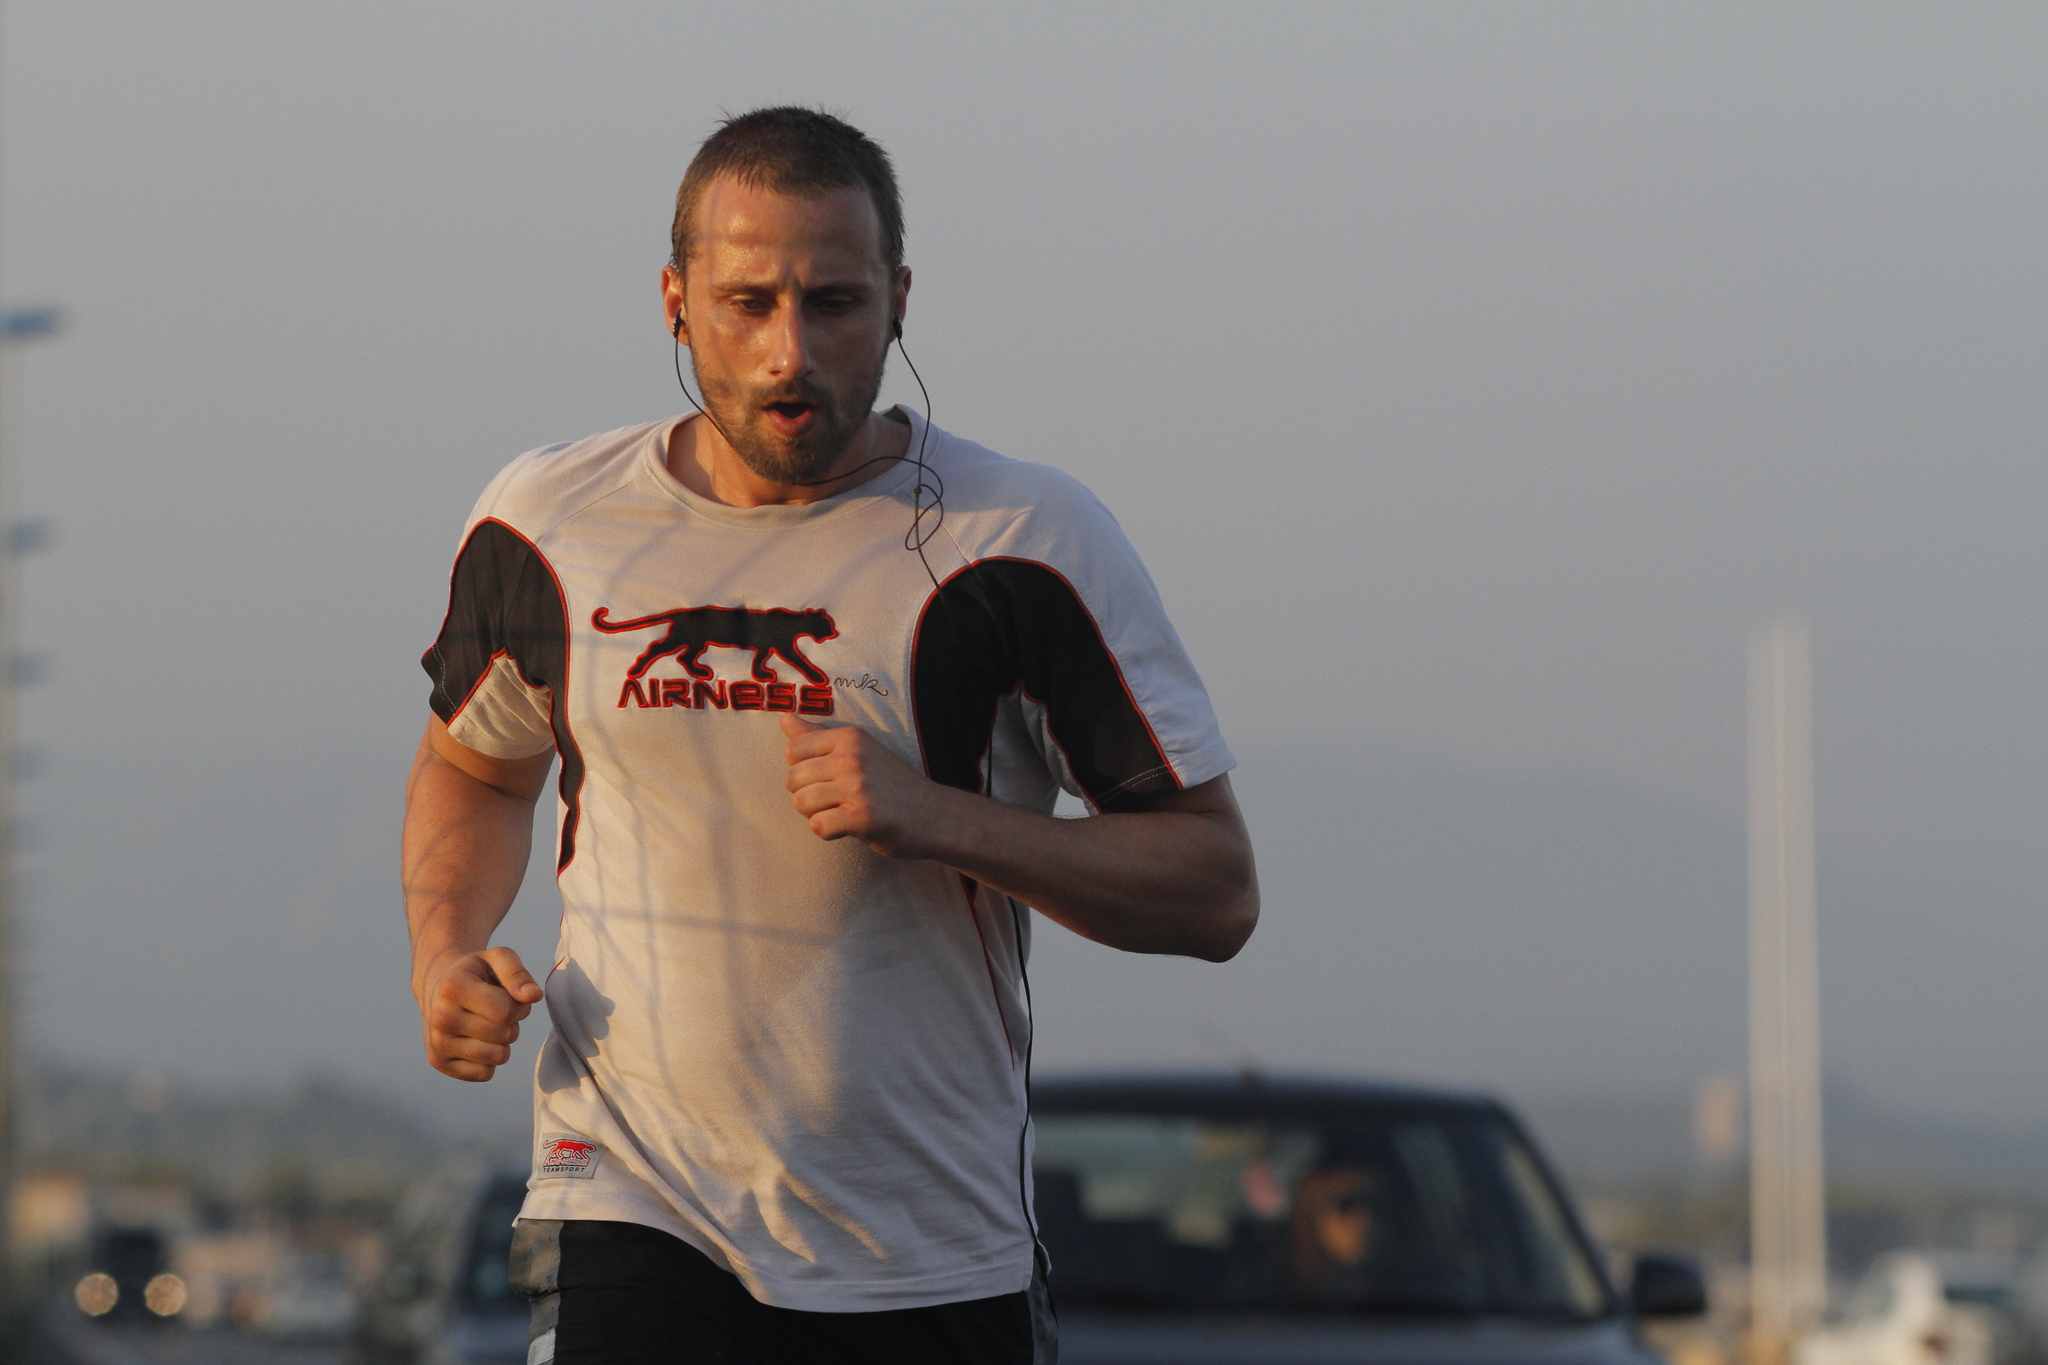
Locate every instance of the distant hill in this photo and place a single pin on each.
(1616, 1141)
(1894, 1179)
(318, 1142)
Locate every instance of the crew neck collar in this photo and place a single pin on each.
(885, 485)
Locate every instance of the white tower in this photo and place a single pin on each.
(1788, 1230)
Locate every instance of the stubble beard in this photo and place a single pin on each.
(779, 459)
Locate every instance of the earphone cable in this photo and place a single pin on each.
(678, 339)
(929, 483)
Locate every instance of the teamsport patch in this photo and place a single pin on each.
(566, 1156)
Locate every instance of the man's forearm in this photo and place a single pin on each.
(464, 855)
(1177, 878)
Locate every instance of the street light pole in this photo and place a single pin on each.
(8, 992)
(18, 327)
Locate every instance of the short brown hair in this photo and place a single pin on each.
(797, 151)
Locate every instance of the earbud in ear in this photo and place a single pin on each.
(896, 324)
(675, 326)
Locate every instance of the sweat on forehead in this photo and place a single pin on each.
(794, 151)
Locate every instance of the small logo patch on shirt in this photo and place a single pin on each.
(569, 1156)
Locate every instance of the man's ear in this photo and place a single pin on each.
(672, 304)
(899, 297)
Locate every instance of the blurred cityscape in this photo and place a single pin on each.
(249, 1221)
(250, 1224)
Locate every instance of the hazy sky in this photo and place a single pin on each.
(1472, 378)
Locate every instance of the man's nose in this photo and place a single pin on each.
(789, 344)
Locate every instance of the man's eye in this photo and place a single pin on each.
(752, 305)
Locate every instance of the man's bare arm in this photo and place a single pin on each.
(1176, 877)
(468, 832)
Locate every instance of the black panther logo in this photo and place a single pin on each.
(692, 630)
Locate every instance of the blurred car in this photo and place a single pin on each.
(1989, 1286)
(128, 1277)
(1227, 1221)
(445, 1296)
(1900, 1313)
(2030, 1304)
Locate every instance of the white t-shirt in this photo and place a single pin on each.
(803, 1058)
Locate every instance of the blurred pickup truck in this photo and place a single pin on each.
(1242, 1220)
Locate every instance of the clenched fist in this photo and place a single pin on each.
(472, 1007)
(849, 784)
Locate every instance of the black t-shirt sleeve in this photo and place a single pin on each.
(500, 665)
(1002, 626)
(503, 603)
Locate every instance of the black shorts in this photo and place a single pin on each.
(623, 1294)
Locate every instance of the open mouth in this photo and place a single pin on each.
(791, 417)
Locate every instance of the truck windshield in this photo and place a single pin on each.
(1404, 1214)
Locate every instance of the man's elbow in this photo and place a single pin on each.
(1232, 909)
(1229, 923)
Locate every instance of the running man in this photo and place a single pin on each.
(810, 729)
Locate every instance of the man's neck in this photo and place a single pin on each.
(703, 461)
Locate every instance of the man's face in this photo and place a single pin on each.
(786, 308)
(1337, 1207)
